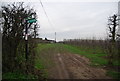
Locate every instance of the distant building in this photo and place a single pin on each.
(49, 41)
(40, 40)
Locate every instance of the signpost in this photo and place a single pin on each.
(28, 20)
(32, 20)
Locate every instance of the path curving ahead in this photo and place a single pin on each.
(73, 66)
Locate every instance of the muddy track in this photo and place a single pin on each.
(73, 66)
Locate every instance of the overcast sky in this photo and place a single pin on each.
(74, 18)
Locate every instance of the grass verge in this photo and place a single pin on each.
(43, 59)
(96, 57)
(114, 74)
(16, 75)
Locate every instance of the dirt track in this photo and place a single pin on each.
(73, 66)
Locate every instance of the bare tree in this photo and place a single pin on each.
(113, 26)
(113, 35)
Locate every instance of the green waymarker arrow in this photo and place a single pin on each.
(32, 20)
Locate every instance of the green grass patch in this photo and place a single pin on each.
(42, 57)
(95, 55)
(116, 62)
(17, 75)
(44, 46)
(114, 74)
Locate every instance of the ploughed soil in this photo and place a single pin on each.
(73, 66)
